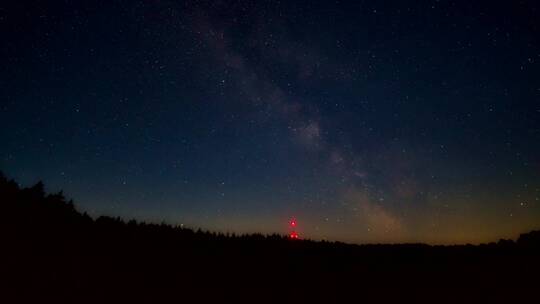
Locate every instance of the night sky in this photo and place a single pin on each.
(367, 121)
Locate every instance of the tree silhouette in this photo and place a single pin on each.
(52, 249)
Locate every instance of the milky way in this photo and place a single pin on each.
(365, 121)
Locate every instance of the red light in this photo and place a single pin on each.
(292, 222)
(292, 226)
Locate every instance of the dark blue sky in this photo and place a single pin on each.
(367, 121)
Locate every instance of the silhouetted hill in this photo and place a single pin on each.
(54, 252)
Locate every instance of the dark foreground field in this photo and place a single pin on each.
(53, 253)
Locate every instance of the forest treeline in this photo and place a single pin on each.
(55, 251)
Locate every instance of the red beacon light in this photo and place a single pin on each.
(293, 234)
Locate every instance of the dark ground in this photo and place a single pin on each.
(56, 254)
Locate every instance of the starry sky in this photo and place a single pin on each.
(367, 121)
